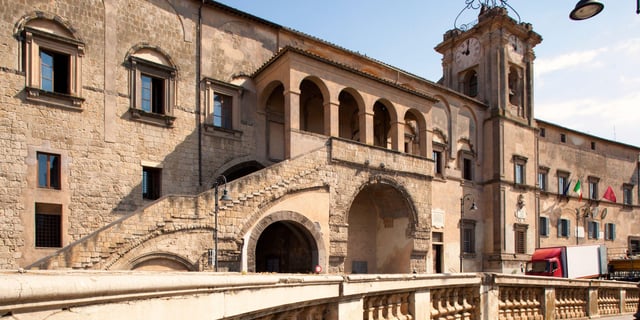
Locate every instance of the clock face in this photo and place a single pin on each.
(468, 52)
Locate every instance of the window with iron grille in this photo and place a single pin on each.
(48, 225)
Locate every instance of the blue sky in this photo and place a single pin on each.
(587, 73)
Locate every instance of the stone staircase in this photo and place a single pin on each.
(175, 213)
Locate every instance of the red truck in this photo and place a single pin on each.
(569, 262)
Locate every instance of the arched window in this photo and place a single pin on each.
(53, 63)
(471, 84)
(152, 86)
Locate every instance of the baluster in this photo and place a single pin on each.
(404, 306)
(435, 303)
(370, 309)
(466, 306)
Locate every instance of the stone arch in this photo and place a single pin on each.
(151, 53)
(271, 104)
(415, 126)
(313, 96)
(384, 115)
(237, 168)
(350, 109)
(442, 129)
(162, 261)
(468, 121)
(61, 26)
(306, 226)
(382, 221)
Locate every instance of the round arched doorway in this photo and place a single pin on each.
(286, 247)
(380, 223)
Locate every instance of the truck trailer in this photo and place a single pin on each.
(575, 262)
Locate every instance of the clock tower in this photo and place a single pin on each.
(491, 65)
(493, 62)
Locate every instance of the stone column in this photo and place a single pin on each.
(592, 303)
(366, 127)
(397, 136)
(291, 120)
(332, 119)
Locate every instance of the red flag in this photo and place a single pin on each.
(609, 195)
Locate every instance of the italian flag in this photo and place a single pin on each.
(578, 189)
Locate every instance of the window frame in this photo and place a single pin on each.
(466, 163)
(48, 178)
(562, 222)
(593, 187)
(543, 226)
(543, 179)
(42, 233)
(520, 238)
(519, 176)
(153, 180)
(140, 68)
(610, 231)
(215, 88)
(593, 231)
(36, 41)
(468, 241)
(439, 164)
(627, 194)
(565, 178)
(633, 242)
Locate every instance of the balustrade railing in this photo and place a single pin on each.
(311, 297)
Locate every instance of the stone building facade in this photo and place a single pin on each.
(124, 122)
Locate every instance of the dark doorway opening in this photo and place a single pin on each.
(286, 247)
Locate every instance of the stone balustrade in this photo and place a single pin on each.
(202, 295)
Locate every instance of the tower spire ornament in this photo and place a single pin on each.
(482, 5)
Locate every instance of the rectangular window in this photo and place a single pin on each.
(437, 162)
(543, 226)
(563, 137)
(52, 63)
(54, 71)
(627, 194)
(520, 238)
(593, 188)
(468, 236)
(519, 173)
(634, 245)
(563, 183)
(152, 94)
(151, 181)
(467, 172)
(542, 180)
(593, 145)
(594, 230)
(609, 231)
(564, 230)
(222, 110)
(48, 170)
(48, 226)
(543, 132)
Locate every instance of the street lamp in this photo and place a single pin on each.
(225, 197)
(473, 207)
(586, 9)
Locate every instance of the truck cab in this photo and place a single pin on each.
(546, 262)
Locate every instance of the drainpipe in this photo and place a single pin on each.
(198, 77)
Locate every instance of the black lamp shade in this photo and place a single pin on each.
(586, 9)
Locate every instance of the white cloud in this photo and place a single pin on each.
(610, 118)
(567, 60)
